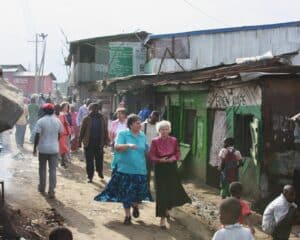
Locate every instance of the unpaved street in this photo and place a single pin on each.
(74, 205)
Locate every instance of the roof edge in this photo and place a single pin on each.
(224, 30)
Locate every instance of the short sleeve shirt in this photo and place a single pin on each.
(233, 232)
(48, 127)
(149, 130)
(245, 211)
(132, 161)
(223, 152)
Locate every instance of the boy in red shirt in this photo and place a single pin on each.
(236, 190)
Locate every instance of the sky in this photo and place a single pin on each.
(66, 20)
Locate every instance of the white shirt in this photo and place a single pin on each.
(223, 152)
(48, 127)
(149, 130)
(233, 232)
(297, 133)
(121, 126)
(275, 212)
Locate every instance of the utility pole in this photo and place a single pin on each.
(36, 86)
(36, 75)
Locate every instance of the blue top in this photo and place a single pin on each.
(144, 113)
(132, 161)
(82, 112)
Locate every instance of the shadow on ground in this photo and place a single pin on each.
(75, 218)
(140, 230)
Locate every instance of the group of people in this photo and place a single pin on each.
(278, 217)
(138, 146)
(67, 115)
(129, 183)
(277, 220)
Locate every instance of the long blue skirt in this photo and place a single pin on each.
(126, 188)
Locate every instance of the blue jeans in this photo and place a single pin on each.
(32, 132)
(20, 134)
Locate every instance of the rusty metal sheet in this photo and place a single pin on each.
(10, 105)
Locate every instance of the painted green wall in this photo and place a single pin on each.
(179, 102)
(250, 172)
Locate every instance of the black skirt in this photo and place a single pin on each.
(169, 191)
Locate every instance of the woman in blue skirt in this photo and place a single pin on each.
(128, 184)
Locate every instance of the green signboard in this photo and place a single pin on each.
(120, 61)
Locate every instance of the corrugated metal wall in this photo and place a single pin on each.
(208, 50)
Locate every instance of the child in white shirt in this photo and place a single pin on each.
(230, 210)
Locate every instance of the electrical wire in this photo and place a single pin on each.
(205, 14)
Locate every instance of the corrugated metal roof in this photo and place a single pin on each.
(10, 66)
(31, 74)
(224, 30)
(110, 37)
(10, 69)
(245, 71)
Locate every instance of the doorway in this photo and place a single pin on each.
(189, 116)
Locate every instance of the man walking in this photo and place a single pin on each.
(47, 131)
(33, 116)
(281, 214)
(149, 126)
(83, 112)
(21, 125)
(94, 135)
(149, 129)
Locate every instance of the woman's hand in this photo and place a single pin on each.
(166, 160)
(132, 146)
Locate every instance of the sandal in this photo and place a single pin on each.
(135, 212)
(127, 221)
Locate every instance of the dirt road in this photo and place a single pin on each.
(74, 205)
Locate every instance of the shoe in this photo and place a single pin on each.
(163, 227)
(51, 194)
(89, 180)
(101, 175)
(135, 212)
(42, 192)
(127, 221)
(64, 165)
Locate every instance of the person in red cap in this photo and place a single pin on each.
(48, 129)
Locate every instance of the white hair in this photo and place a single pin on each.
(163, 124)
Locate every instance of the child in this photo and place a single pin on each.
(60, 233)
(230, 210)
(231, 160)
(236, 190)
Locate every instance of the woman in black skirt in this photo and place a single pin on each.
(165, 152)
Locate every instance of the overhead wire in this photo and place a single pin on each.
(206, 14)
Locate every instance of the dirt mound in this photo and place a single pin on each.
(15, 224)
